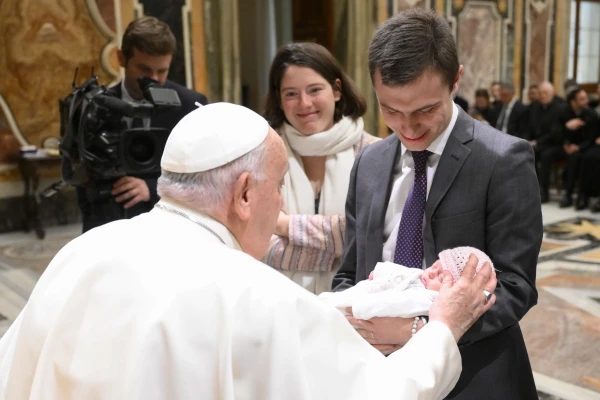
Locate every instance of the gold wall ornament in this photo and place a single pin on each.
(502, 6)
(41, 44)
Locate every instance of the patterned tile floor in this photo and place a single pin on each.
(562, 332)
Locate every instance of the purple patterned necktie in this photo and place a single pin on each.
(409, 245)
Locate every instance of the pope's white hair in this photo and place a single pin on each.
(206, 191)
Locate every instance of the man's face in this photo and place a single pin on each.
(144, 65)
(581, 101)
(481, 103)
(506, 95)
(268, 201)
(533, 94)
(546, 94)
(419, 112)
(496, 91)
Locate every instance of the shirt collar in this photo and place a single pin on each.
(438, 145)
(213, 224)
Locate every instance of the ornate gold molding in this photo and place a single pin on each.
(199, 45)
(111, 36)
(518, 48)
(559, 46)
(439, 6)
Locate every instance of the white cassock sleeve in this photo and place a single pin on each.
(305, 350)
(235, 339)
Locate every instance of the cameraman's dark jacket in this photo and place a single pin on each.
(100, 213)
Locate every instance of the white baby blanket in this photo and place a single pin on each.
(395, 291)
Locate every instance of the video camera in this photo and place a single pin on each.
(99, 138)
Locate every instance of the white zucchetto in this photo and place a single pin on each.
(212, 136)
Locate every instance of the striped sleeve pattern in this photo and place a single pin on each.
(315, 241)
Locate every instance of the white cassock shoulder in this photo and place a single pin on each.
(182, 317)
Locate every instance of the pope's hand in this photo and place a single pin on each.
(460, 304)
(133, 189)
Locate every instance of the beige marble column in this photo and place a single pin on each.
(538, 21)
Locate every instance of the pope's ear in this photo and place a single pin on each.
(242, 196)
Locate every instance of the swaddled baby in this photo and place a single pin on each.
(394, 290)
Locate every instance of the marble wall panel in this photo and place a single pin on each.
(41, 44)
(479, 41)
(538, 20)
(400, 5)
(107, 12)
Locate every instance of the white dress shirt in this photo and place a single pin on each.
(404, 176)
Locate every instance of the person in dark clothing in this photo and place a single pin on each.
(496, 103)
(483, 107)
(578, 125)
(462, 103)
(147, 50)
(590, 171)
(533, 94)
(513, 115)
(544, 134)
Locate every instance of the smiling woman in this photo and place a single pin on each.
(318, 111)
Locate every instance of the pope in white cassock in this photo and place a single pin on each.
(174, 305)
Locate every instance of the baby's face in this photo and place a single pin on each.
(432, 277)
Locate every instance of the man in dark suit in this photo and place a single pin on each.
(468, 183)
(544, 133)
(513, 115)
(147, 50)
(578, 125)
(496, 94)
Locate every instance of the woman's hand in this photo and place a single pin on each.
(283, 225)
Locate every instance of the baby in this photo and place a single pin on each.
(394, 290)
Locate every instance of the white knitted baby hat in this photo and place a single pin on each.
(454, 260)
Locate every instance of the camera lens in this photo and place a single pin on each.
(142, 148)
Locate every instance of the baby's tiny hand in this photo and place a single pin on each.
(371, 276)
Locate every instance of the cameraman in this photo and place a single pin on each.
(147, 50)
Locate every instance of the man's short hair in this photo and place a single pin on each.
(533, 86)
(411, 43)
(482, 93)
(507, 86)
(148, 35)
(573, 92)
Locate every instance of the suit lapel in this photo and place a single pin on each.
(380, 199)
(453, 157)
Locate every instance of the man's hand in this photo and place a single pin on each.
(598, 140)
(283, 225)
(570, 148)
(574, 124)
(133, 189)
(460, 304)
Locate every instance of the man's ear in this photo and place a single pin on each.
(121, 57)
(242, 196)
(457, 80)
